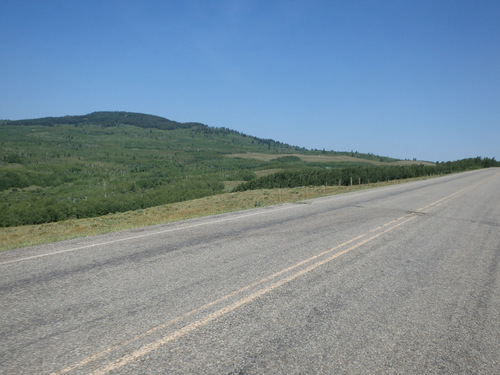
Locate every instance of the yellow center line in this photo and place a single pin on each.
(221, 299)
(203, 307)
(147, 348)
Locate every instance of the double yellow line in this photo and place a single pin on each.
(247, 294)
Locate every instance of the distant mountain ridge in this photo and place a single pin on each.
(145, 121)
(111, 118)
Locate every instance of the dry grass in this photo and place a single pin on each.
(325, 158)
(309, 158)
(410, 162)
(266, 172)
(230, 185)
(29, 235)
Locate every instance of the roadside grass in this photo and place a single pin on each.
(230, 185)
(30, 235)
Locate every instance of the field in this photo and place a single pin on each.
(334, 159)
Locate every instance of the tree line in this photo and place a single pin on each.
(361, 175)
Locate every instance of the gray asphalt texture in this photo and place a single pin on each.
(396, 280)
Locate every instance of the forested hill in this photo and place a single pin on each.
(109, 119)
(145, 121)
(58, 168)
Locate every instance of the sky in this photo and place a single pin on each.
(406, 79)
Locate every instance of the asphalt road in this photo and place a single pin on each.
(397, 280)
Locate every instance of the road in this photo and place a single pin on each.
(396, 280)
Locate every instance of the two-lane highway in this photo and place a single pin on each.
(402, 279)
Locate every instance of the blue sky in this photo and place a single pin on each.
(407, 79)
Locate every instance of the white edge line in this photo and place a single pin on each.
(278, 208)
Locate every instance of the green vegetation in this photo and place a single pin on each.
(73, 167)
(84, 166)
(29, 235)
(357, 175)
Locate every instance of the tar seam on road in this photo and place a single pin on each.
(327, 255)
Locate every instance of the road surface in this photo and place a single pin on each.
(396, 280)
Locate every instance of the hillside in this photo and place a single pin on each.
(56, 168)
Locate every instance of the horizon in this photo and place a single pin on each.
(400, 79)
(251, 135)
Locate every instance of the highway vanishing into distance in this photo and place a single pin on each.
(402, 279)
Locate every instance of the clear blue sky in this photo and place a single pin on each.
(407, 79)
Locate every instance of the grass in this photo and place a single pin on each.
(304, 157)
(29, 235)
(324, 158)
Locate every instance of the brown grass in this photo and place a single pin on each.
(325, 158)
(309, 158)
(266, 172)
(29, 235)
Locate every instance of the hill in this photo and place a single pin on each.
(57, 168)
